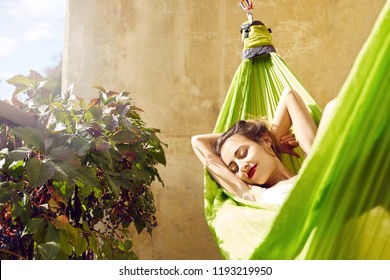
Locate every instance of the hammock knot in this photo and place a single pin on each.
(256, 39)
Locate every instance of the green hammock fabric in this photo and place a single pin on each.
(339, 207)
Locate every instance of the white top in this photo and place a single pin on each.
(274, 195)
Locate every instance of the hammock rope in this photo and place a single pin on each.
(339, 207)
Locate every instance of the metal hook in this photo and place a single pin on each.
(249, 3)
(248, 9)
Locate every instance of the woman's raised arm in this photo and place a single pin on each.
(204, 148)
(292, 111)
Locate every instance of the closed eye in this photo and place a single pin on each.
(241, 152)
(244, 154)
(233, 167)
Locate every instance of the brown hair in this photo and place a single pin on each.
(252, 130)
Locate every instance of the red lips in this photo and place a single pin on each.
(252, 171)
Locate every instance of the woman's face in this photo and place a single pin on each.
(252, 162)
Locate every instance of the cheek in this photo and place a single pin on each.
(256, 154)
(244, 178)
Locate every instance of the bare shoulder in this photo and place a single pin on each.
(284, 183)
(330, 106)
(327, 114)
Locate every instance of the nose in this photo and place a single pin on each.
(244, 167)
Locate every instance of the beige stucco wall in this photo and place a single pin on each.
(177, 59)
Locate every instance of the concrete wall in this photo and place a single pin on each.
(177, 59)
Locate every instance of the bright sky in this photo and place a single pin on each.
(31, 37)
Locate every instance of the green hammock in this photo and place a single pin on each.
(339, 207)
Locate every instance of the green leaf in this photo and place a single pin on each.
(124, 95)
(107, 250)
(128, 124)
(122, 107)
(158, 155)
(111, 122)
(86, 226)
(79, 102)
(6, 193)
(108, 160)
(64, 172)
(88, 176)
(139, 226)
(81, 245)
(65, 95)
(96, 112)
(115, 187)
(88, 117)
(108, 100)
(64, 189)
(25, 217)
(135, 108)
(58, 141)
(51, 251)
(98, 213)
(93, 102)
(36, 77)
(36, 227)
(65, 245)
(127, 245)
(30, 136)
(68, 238)
(83, 190)
(62, 115)
(99, 88)
(52, 234)
(19, 80)
(133, 115)
(38, 172)
(124, 136)
(16, 155)
(103, 96)
(41, 96)
(80, 145)
(16, 170)
(141, 174)
(17, 208)
(65, 154)
(93, 244)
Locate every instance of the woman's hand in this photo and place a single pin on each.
(293, 112)
(288, 143)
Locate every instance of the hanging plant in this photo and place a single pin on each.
(73, 184)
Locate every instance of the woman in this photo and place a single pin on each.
(245, 160)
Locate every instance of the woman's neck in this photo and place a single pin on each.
(281, 174)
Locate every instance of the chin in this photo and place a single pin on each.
(257, 183)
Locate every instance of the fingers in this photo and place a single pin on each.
(288, 143)
(293, 153)
(288, 140)
(287, 137)
(293, 143)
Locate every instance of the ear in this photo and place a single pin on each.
(266, 141)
